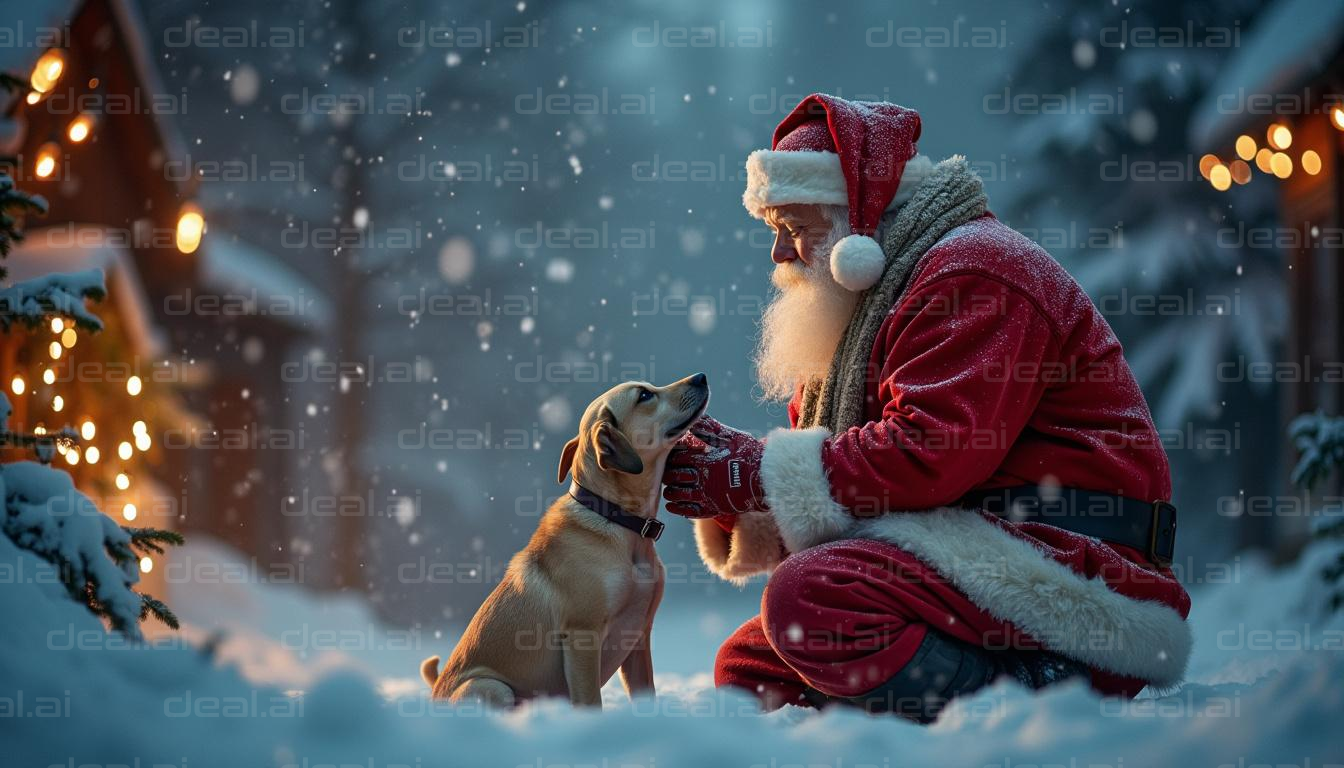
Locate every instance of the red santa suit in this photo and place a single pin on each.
(993, 370)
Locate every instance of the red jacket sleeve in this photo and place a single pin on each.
(960, 375)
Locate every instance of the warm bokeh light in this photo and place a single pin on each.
(55, 350)
(1311, 162)
(134, 386)
(1282, 165)
(45, 165)
(124, 450)
(129, 511)
(47, 70)
(69, 337)
(49, 376)
(1220, 177)
(1241, 172)
(190, 227)
(1262, 159)
(79, 128)
(57, 325)
(92, 454)
(87, 430)
(1245, 147)
(58, 403)
(1279, 136)
(139, 428)
(1207, 164)
(142, 442)
(123, 481)
(72, 456)
(1337, 117)
(18, 386)
(146, 564)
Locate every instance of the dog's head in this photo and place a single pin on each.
(634, 424)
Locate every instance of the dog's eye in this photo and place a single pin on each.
(644, 395)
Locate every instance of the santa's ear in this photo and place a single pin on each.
(614, 450)
(567, 459)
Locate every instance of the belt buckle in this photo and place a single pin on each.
(1156, 530)
(656, 526)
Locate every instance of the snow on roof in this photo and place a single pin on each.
(236, 267)
(1291, 41)
(82, 247)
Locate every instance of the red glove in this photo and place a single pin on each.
(714, 470)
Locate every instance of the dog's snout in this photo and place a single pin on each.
(699, 380)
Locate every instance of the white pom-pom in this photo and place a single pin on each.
(857, 262)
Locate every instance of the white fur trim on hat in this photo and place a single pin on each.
(857, 262)
(784, 178)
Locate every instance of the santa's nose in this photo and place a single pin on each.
(782, 251)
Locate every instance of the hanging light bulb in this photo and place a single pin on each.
(190, 227)
(46, 160)
(47, 71)
(79, 128)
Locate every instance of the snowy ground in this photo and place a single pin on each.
(300, 682)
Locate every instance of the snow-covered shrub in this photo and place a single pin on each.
(1320, 439)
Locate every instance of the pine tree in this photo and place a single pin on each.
(96, 559)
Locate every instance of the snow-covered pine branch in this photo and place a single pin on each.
(34, 302)
(97, 559)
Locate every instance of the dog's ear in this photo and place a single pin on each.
(614, 450)
(567, 459)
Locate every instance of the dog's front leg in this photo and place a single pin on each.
(583, 666)
(637, 669)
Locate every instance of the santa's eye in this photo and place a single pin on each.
(644, 396)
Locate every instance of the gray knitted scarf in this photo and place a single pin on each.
(951, 196)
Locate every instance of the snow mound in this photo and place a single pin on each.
(75, 694)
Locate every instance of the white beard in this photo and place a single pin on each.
(802, 325)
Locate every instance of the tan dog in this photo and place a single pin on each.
(577, 604)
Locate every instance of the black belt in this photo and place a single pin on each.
(1148, 526)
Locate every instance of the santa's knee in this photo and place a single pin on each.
(798, 608)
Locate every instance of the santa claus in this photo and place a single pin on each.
(971, 486)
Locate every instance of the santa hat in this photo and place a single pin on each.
(835, 152)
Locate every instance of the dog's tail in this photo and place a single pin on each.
(429, 670)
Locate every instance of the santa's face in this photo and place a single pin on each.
(809, 311)
(800, 231)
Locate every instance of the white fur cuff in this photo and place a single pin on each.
(753, 547)
(797, 490)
